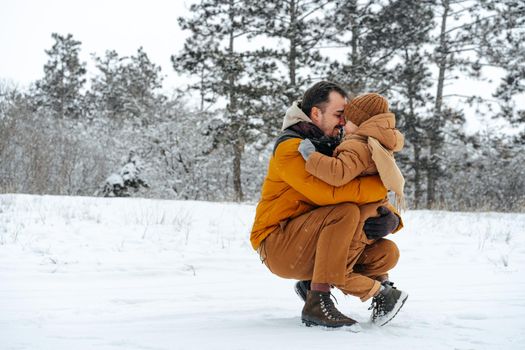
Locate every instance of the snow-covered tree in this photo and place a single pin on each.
(502, 34)
(242, 79)
(60, 90)
(368, 36)
(486, 173)
(127, 88)
(406, 80)
(195, 59)
(411, 106)
(298, 27)
(129, 178)
(456, 47)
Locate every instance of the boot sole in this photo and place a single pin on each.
(301, 292)
(399, 304)
(354, 328)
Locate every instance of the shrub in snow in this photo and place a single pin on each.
(129, 177)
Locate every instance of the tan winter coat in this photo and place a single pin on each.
(353, 157)
(359, 154)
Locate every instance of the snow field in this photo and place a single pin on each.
(99, 273)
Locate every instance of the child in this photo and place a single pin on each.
(370, 140)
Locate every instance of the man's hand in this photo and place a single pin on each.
(379, 227)
(306, 147)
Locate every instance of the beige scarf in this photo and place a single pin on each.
(388, 171)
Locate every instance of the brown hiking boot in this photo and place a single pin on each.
(319, 310)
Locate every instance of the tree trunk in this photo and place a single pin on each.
(238, 142)
(237, 156)
(202, 92)
(437, 121)
(415, 139)
(416, 164)
(418, 193)
(355, 87)
(292, 55)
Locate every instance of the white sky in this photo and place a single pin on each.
(124, 26)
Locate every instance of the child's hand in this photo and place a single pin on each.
(306, 147)
(350, 128)
(380, 226)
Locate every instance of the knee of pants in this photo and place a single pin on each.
(391, 252)
(348, 211)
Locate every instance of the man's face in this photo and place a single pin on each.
(330, 118)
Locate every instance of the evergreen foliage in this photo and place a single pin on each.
(502, 37)
(246, 61)
(126, 88)
(242, 79)
(60, 90)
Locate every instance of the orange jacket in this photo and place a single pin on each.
(289, 191)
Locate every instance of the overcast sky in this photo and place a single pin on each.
(121, 25)
(124, 26)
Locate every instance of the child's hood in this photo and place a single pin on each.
(383, 128)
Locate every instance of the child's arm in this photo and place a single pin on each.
(353, 157)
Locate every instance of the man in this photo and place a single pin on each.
(304, 228)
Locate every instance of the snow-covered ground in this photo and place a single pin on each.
(92, 273)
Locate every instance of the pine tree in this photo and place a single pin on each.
(242, 78)
(301, 26)
(413, 80)
(61, 88)
(355, 23)
(127, 88)
(373, 32)
(502, 37)
(408, 82)
(195, 59)
(455, 41)
(129, 178)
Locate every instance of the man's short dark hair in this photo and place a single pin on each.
(318, 94)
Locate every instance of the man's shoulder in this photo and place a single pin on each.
(284, 137)
(287, 147)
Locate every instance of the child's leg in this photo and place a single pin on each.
(358, 284)
(377, 259)
(367, 266)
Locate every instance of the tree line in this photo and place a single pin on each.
(246, 61)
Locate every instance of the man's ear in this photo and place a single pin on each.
(314, 114)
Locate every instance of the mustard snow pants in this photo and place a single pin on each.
(328, 245)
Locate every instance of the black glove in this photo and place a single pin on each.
(378, 227)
